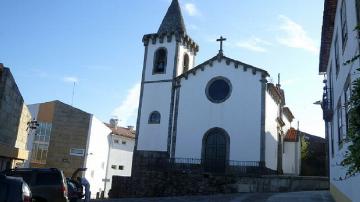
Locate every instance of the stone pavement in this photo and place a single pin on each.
(305, 196)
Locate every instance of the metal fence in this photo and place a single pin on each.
(191, 165)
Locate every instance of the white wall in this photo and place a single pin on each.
(171, 48)
(156, 97)
(271, 137)
(348, 187)
(182, 51)
(96, 155)
(291, 158)
(120, 155)
(291, 152)
(239, 116)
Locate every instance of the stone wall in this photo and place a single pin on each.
(13, 121)
(70, 128)
(11, 105)
(151, 184)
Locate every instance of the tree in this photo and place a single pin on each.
(352, 156)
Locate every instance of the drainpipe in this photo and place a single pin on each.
(107, 165)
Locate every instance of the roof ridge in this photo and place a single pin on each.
(220, 57)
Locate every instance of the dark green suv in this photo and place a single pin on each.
(46, 184)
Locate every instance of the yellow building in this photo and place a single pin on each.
(14, 117)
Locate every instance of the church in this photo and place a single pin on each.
(218, 113)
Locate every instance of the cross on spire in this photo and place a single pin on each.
(221, 43)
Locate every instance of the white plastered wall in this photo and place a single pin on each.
(96, 155)
(156, 97)
(348, 187)
(120, 155)
(182, 51)
(239, 115)
(271, 137)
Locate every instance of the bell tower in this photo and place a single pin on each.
(168, 53)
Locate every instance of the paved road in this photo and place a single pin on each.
(307, 196)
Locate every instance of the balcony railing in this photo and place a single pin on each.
(326, 104)
(192, 165)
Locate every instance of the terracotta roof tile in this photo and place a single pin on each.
(121, 131)
(291, 135)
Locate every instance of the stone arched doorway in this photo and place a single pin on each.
(215, 150)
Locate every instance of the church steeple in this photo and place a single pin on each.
(173, 20)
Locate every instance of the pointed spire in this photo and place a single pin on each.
(173, 20)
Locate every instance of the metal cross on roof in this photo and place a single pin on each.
(221, 43)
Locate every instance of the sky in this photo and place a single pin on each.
(97, 44)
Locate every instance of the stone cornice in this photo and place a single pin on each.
(274, 92)
(219, 57)
(182, 38)
(288, 114)
(327, 33)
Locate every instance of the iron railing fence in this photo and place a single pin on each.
(193, 165)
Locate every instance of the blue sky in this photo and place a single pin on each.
(50, 44)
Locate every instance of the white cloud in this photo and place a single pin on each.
(191, 9)
(127, 110)
(71, 79)
(295, 36)
(254, 44)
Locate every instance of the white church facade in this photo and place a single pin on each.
(221, 111)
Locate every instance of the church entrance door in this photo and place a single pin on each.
(215, 151)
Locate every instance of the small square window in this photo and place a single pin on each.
(121, 167)
(123, 142)
(113, 166)
(116, 141)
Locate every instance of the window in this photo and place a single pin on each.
(123, 142)
(332, 138)
(337, 62)
(331, 88)
(113, 166)
(121, 167)
(344, 31)
(41, 143)
(47, 178)
(160, 59)
(186, 63)
(116, 141)
(347, 94)
(218, 89)
(154, 117)
(340, 122)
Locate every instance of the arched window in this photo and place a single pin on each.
(186, 63)
(160, 61)
(154, 117)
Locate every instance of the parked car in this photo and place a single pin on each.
(46, 184)
(14, 189)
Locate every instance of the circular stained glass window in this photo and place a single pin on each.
(218, 89)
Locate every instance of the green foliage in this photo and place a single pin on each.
(304, 149)
(352, 59)
(352, 156)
